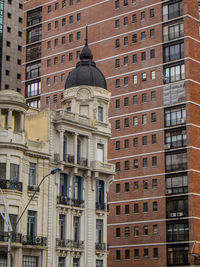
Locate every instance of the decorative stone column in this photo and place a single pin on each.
(61, 144)
(9, 123)
(75, 147)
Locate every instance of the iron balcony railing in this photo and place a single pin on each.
(63, 242)
(34, 240)
(102, 206)
(63, 200)
(82, 161)
(33, 188)
(11, 185)
(15, 237)
(78, 244)
(100, 246)
(68, 158)
(77, 203)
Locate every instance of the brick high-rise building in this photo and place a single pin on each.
(149, 53)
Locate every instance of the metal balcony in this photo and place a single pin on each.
(100, 246)
(78, 244)
(101, 206)
(34, 240)
(68, 158)
(77, 203)
(63, 242)
(63, 200)
(11, 185)
(82, 161)
(15, 237)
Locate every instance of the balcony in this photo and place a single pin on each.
(15, 237)
(34, 240)
(64, 200)
(103, 167)
(77, 244)
(77, 203)
(100, 246)
(68, 158)
(33, 188)
(101, 206)
(11, 185)
(63, 243)
(82, 161)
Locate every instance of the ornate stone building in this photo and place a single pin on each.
(65, 224)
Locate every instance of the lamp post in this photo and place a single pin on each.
(7, 219)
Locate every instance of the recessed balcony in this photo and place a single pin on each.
(11, 185)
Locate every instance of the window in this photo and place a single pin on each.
(76, 261)
(63, 3)
(126, 187)
(151, 13)
(117, 103)
(49, 9)
(99, 231)
(117, 24)
(135, 58)
(117, 145)
(127, 254)
(126, 21)
(7, 72)
(155, 229)
(143, 15)
(136, 230)
(64, 22)
(117, 188)
(152, 53)
(117, 63)
(56, 42)
(144, 140)
(125, 61)
(99, 263)
(153, 117)
(155, 206)
(155, 252)
(127, 209)
(48, 63)
(55, 60)
(55, 98)
(135, 141)
(154, 183)
(143, 56)
(136, 208)
(31, 225)
(146, 252)
(126, 40)
(63, 59)
(173, 32)
(2, 170)
(78, 16)
(117, 43)
(78, 54)
(153, 96)
(135, 99)
(135, 164)
(64, 184)
(56, 24)
(152, 33)
(76, 228)
(144, 76)
(8, 29)
(20, 6)
(145, 162)
(143, 36)
(118, 233)
(9, 15)
(125, 2)
(134, 18)
(8, 43)
(134, 38)
(71, 18)
(49, 45)
(135, 121)
(126, 143)
(126, 79)
(61, 261)
(178, 231)
(71, 2)
(117, 210)
(49, 26)
(154, 161)
(117, 83)
(117, 4)
(70, 56)
(145, 184)
(135, 186)
(71, 38)
(14, 172)
(127, 231)
(144, 98)
(117, 124)
(153, 139)
(134, 79)
(18, 76)
(55, 79)
(126, 165)
(32, 173)
(63, 40)
(136, 253)
(48, 81)
(118, 255)
(172, 10)
(78, 188)
(100, 113)
(144, 119)
(145, 230)
(174, 73)
(145, 207)
(173, 52)
(62, 77)
(177, 184)
(62, 226)
(30, 261)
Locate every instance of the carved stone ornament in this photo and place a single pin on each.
(76, 254)
(83, 94)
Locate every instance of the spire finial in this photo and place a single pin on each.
(86, 35)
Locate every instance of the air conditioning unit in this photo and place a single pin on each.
(167, 146)
(38, 240)
(63, 199)
(56, 157)
(179, 214)
(173, 214)
(168, 191)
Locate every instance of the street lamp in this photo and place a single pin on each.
(7, 219)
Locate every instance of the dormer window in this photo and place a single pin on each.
(100, 113)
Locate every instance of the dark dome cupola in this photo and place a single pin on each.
(86, 72)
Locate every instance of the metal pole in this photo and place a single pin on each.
(9, 249)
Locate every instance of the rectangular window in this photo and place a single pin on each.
(135, 142)
(136, 230)
(155, 229)
(154, 183)
(134, 79)
(153, 139)
(117, 124)
(76, 227)
(61, 261)
(146, 252)
(117, 188)
(118, 233)
(126, 122)
(155, 206)
(177, 184)
(127, 231)
(173, 52)
(76, 261)
(126, 165)
(145, 207)
(127, 254)
(30, 261)
(135, 99)
(99, 231)
(100, 152)
(127, 209)
(135, 164)
(78, 188)
(174, 73)
(117, 210)
(100, 192)
(31, 225)
(136, 208)
(126, 187)
(62, 218)
(99, 263)
(135, 186)
(117, 145)
(100, 113)
(14, 172)
(118, 256)
(2, 170)
(64, 185)
(144, 119)
(136, 253)
(32, 174)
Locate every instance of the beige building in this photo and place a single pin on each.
(65, 224)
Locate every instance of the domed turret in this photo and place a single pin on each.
(86, 72)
